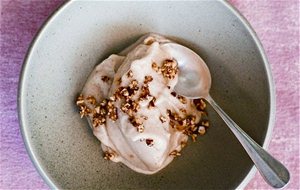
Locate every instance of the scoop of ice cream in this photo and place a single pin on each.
(133, 110)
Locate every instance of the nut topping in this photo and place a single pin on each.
(91, 100)
(175, 153)
(149, 40)
(148, 79)
(108, 155)
(169, 69)
(130, 74)
(105, 78)
(162, 119)
(149, 142)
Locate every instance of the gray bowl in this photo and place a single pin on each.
(81, 34)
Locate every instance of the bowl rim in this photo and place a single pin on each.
(271, 85)
(64, 5)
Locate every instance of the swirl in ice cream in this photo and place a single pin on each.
(133, 110)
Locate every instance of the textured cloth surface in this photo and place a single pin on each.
(276, 23)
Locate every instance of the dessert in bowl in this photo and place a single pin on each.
(132, 108)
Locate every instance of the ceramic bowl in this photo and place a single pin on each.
(82, 33)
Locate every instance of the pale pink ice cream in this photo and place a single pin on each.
(149, 147)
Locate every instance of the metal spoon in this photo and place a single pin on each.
(194, 82)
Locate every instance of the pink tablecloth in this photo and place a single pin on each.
(275, 21)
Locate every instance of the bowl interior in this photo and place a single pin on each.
(81, 34)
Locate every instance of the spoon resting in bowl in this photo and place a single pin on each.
(194, 81)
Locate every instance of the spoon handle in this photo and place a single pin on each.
(271, 169)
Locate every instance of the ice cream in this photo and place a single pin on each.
(133, 110)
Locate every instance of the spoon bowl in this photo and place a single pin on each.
(194, 74)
